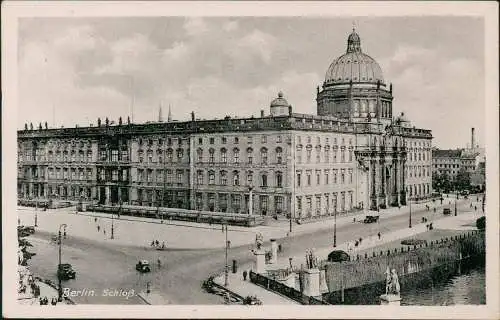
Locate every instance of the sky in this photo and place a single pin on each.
(73, 70)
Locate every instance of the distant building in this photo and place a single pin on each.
(354, 154)
(471, 160)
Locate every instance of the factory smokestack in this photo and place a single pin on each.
(473, 140)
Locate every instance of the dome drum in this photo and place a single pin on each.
(354, 86)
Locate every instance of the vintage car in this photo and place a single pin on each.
(143, 266)
(338, 256)
(446, 211)
(371, 219)
(66, 272)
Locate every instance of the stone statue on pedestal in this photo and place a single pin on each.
(392, 282)
(259, 240)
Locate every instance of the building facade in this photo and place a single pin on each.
(353, 155)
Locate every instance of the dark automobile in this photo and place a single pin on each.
(371, 219)
(338, 256)
(30, 229)
(66, 271)
(446, 211)
(143, 266)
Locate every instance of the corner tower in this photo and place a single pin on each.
(354, 87)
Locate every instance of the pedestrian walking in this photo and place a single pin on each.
(98, 228)
(95, 219)
(379, 235)
(245, 273)
(104, 231)
(475, 208)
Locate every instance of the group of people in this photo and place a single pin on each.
(156, 244)
(45, 301)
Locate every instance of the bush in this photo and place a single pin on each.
(412, 242)
(481, 223)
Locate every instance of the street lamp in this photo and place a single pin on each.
(226, 271)
(60, 292)
(334, 227)
(112, 225)
(409, 223)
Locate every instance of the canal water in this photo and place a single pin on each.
(468, 288)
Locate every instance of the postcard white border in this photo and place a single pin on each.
(13, 10)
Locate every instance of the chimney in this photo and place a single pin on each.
(192, 115)
(473, 142)
(262, 113)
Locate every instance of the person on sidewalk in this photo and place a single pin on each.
(379, 235)
(245, 275)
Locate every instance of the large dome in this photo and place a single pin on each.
(354, 65)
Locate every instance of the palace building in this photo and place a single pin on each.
(353, 154)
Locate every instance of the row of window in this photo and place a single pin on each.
(418, 171)
(169, 141)
(70, 173)
(235, 156)
(308, 140)
(236, 140)
(223, 178)
(446, 166)
(346, 176)
(331, 203)
(326, 155)
(418, 189)
(422, 156)
(150, 175)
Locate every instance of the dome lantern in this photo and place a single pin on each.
(353, 42)
(279, 106)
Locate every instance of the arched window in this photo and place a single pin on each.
(279, 179)
(180, 153)
(250, 155)
(236, 178)
(263, 155)
(249, 178)
(279, 155)
(223, 178)
(223, 155)
(211, 177)
(211, 156)
(199, 177)
(264, 180)
(150, 156)
(159, 153)
(169, 155)
(236, 155)
(199, 155)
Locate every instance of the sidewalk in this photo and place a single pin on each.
(246, 288)
(153, 298)
(137, 231)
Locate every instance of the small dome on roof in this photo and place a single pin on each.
(279, 101)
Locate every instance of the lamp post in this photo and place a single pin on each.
(60, 292)
(226, 271)
(112, 225)
(409, 223)
(334, 227)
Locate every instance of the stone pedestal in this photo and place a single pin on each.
(311, 285)
(274, 252)
(260, 261)
(323, 287)
(289, 281)
(390, 300)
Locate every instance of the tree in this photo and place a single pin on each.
(462, 180)
(441, 181)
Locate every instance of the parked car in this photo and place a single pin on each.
(66, 272)
(143, 266)
(446, 211)
(338, 256)
(30, 229)
(371, 219)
